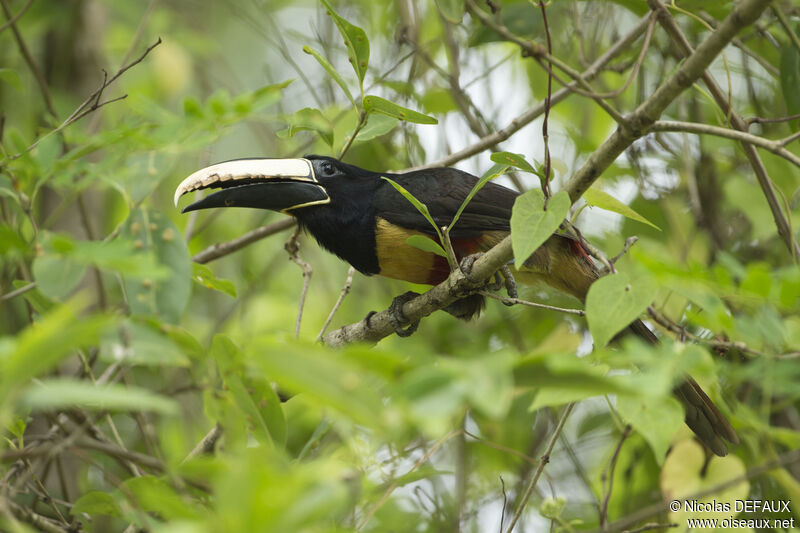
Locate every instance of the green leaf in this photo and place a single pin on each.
(790, 77)
(142, 343)
(376, 104)
(531, 225)
(154, 495)
(255, 397)
(40, 347)
(11, 77)
(453, 10)
(355, 39)
(204, 276)
(655, 418)
(377, 125)
(96, 502)
(489, 175)
(614, 302)
(62, 393)
(56, 277)
(426, 244)
(152, 232)
(513, 160)
(310, 119)
(603, 200)
(324, 377)
(422, 208)
(331, 72)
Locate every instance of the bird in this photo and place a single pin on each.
(363, 219)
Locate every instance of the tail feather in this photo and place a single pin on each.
(702, 416)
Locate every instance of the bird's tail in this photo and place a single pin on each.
(702, 416)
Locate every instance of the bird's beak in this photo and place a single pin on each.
(276, 184)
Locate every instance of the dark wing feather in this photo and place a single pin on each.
(443, 190)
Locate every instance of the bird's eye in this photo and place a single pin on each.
(327, 168)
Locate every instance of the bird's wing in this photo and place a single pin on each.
(443, 190)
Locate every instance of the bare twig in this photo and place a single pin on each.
(16, 17)
(206, 444)
(92, 103)
(630, 241)
(529, 116)
(731, 25)
(607, 477)
(345, 290)
(292, 248)
(777, 147)
(17, 292)
(517, 301)
(224, 248)
(540, 467)
(26, 55)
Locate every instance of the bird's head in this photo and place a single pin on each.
(277, 184)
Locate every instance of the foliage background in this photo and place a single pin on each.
(118, 355)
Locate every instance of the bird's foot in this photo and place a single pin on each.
(466, 265)
(510, 282)
(398, 318)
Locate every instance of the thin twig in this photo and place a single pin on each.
(529, 116)
(17, 292)
(91, 103)
(608, 476)
(630, 241)
(540, 467)
(292, 248)
(26, 55)
(222, 249)
(16, 17)
(422, 460)
(517, 301)
(206, 444)
(545, 138)
(348, 282)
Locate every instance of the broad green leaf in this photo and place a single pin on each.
(531, 225)
(332, 72)
(603, 200)
(204, 276)
(141, 343)
(490, 174)
(377, 124)
(355, 39)
(40, 347)
(790, 77)
(453, 10)
(654, 417)
(255, 397)
(614, 302)
(63, 393)
(426, 244)
(323, 376)
(154, 495)
(376, 104)
(96, 502)
(56, 277)
(422, 208)
(152, 232)
(310, 119)
(513, 160)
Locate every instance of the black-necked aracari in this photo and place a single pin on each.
(363, 219)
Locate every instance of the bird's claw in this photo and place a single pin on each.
(466, 265)
(398, 319)
(510, 282)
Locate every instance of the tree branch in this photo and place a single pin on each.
(641, 120)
